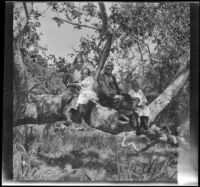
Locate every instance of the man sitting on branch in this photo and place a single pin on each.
(108, 90)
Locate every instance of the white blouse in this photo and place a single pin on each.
(87, 93)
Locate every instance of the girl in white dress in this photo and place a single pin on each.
(86, 92)
(87, 95)
(142, 109)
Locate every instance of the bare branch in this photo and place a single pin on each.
(77, 24)
(140, 51)
(26, 11)
(148, 50)
(44, 10)
(164, 98)
(135, 67)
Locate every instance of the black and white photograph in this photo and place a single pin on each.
(101, 93)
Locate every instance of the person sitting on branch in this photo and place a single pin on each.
(73, 73)
(142, 109)
(108, 90)
(87, 98)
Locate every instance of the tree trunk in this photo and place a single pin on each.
(20, 78)
(104, 56)
(109, 35)
(107, 120)
(165, 98)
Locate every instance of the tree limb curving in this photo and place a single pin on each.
(80, 25)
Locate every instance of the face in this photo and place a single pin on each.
(79, 63)
(135, 86)
(108, 70)
(85, 74)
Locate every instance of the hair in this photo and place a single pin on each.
(80, 55)
(88, 70)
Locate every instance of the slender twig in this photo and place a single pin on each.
(134, 68)
(44, 10)
(80, 25)
(147, 147)
(133, 173)
(89, 178)
(140, 51)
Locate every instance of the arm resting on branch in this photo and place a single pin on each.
(73, 84)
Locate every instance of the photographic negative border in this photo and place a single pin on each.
(7, 133)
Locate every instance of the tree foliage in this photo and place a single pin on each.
(146, 41)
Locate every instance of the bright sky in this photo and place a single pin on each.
(60, 40)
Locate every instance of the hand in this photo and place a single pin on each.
(67, 84)
(73, 84)
(70, 84)
(119, 97)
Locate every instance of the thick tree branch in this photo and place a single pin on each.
(104, 56)
(184, 65)
(109, 37)
(104, 17)
(167, 95)
(20, 77)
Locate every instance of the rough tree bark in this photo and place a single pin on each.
(107, 47)
(20, 85)
(105, 55)
(167, 95)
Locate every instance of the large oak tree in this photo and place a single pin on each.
(128, 26)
